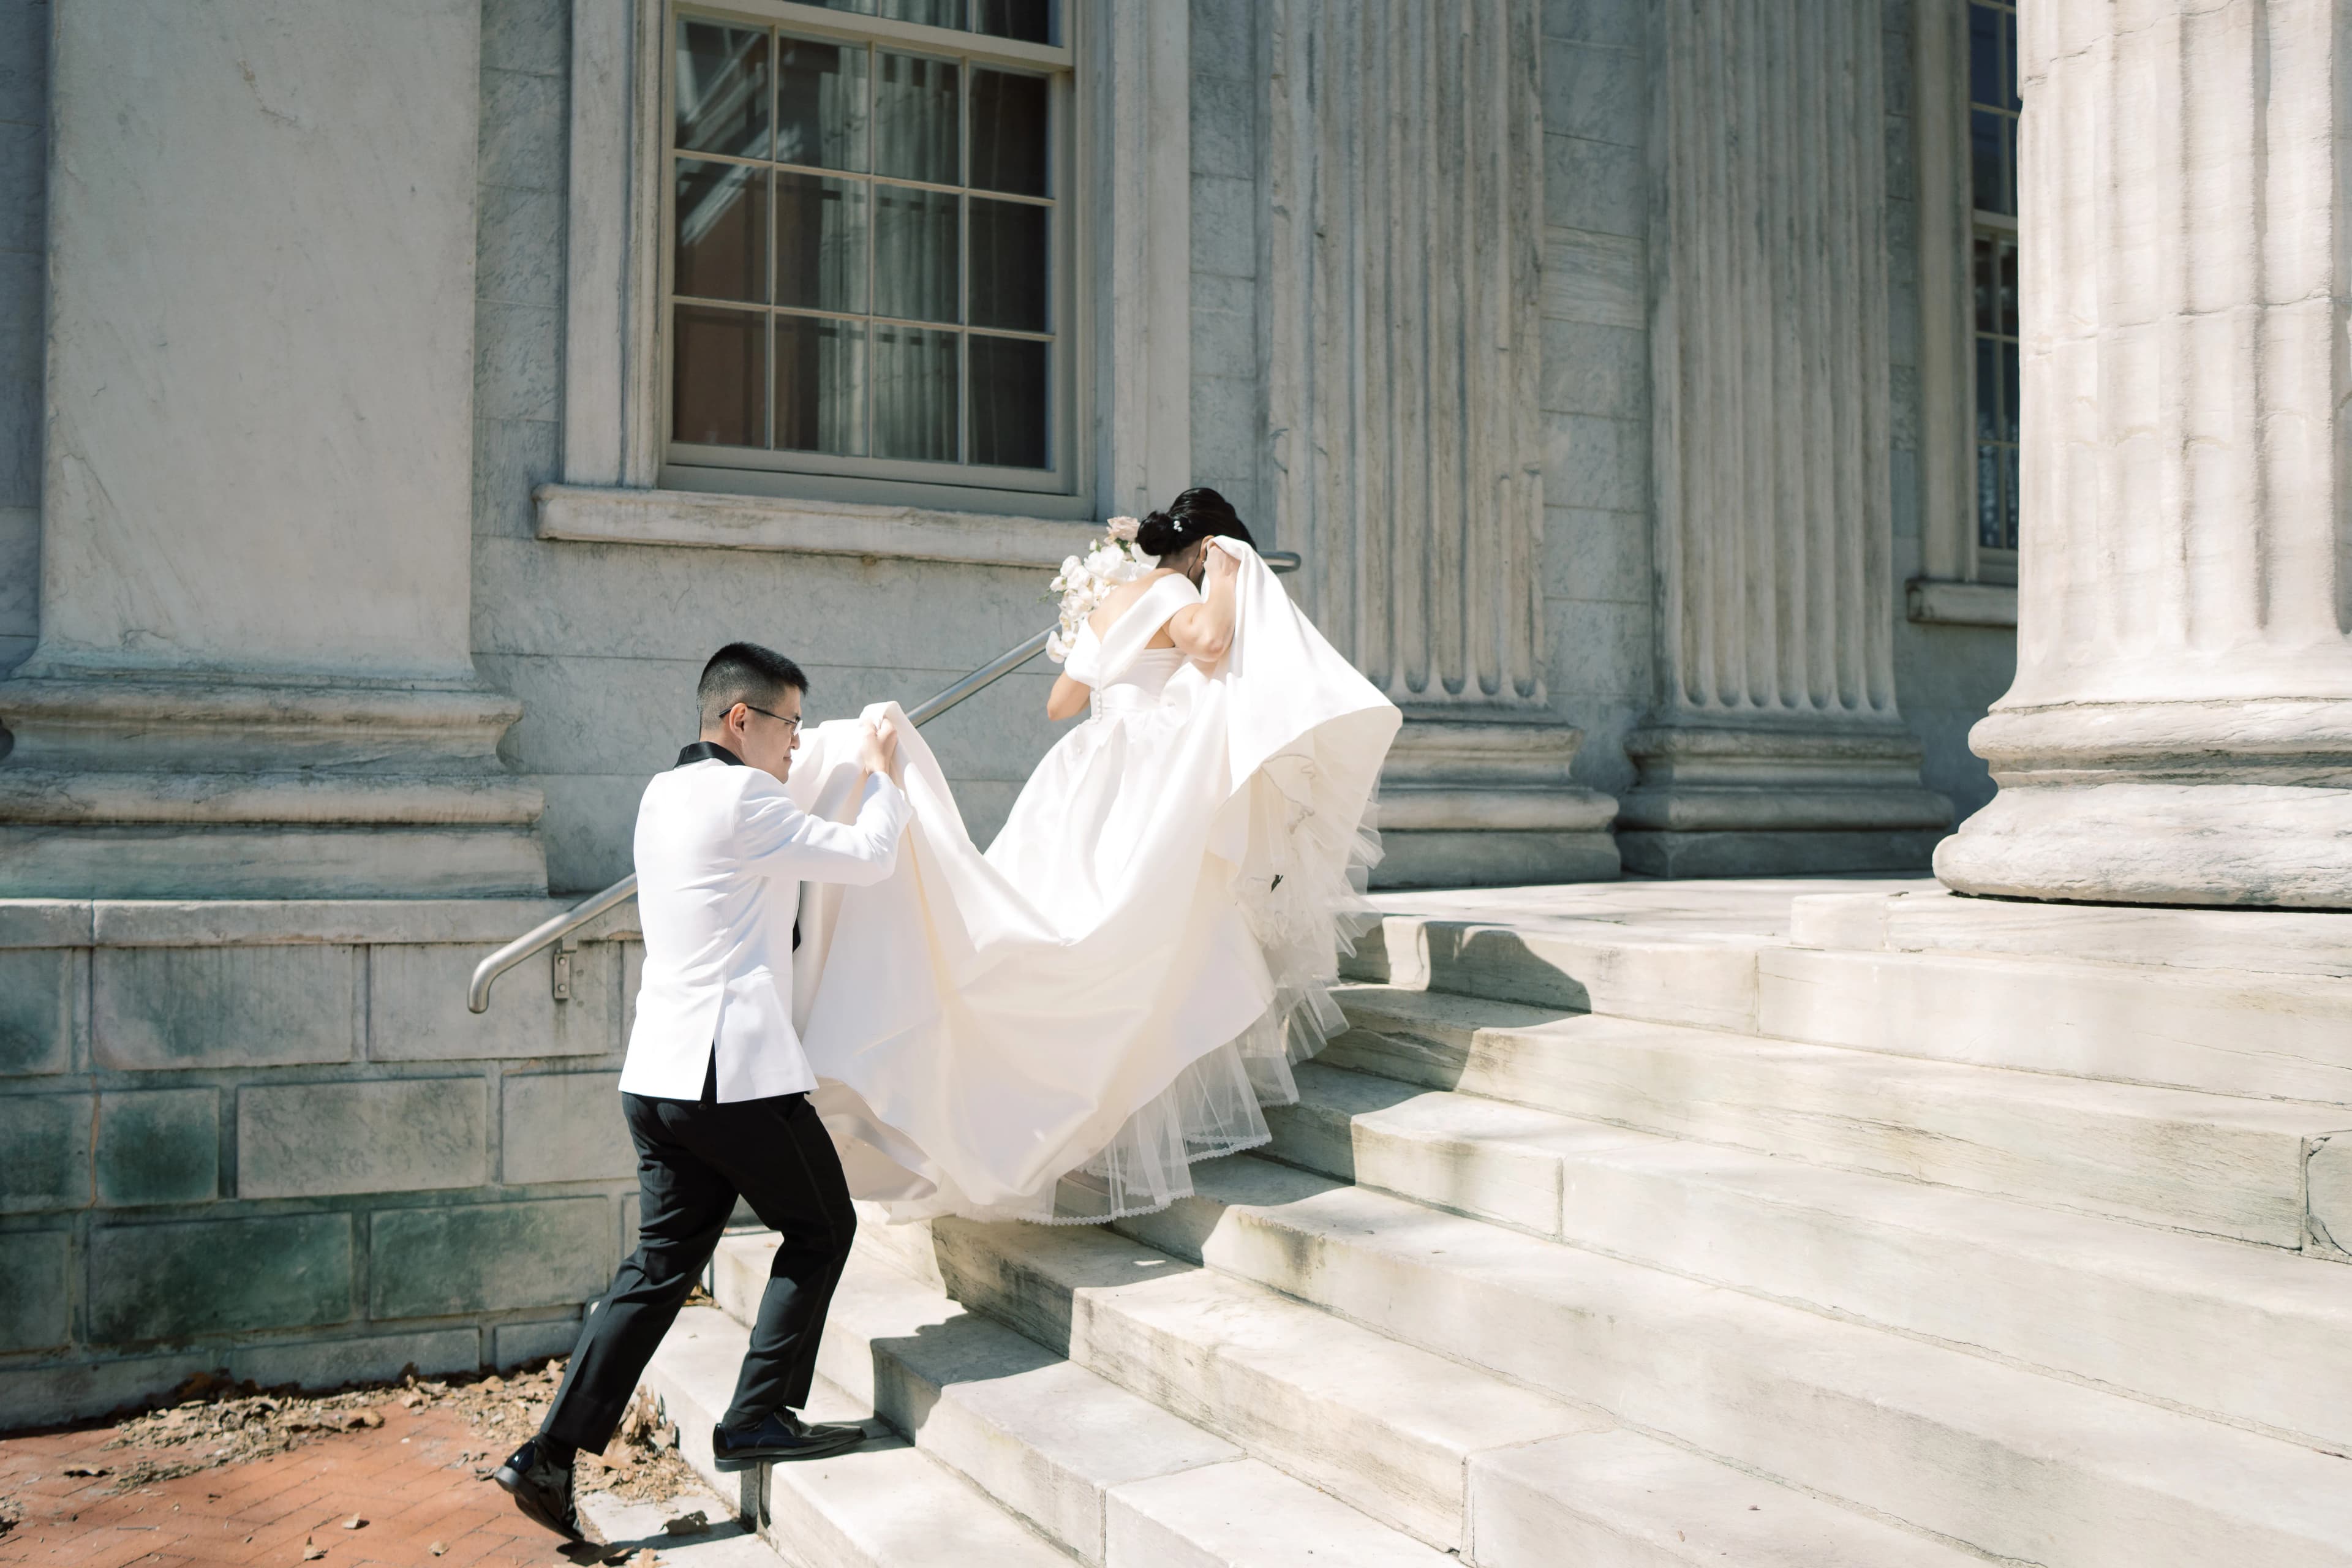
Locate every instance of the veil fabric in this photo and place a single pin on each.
(1054, 1029)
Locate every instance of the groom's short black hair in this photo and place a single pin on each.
(745, 672)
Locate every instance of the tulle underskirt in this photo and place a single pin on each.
(1216, 1106)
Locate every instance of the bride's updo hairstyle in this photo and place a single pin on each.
(1196, 515)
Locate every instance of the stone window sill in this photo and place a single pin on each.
(1948, 604)
(801, 527)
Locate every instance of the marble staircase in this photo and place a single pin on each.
(1609, 1234)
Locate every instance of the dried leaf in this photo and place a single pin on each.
(90, 1470)
(311, 1549)
(355, 1522)
(438, 1548)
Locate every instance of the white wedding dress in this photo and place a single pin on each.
(1055, 1029)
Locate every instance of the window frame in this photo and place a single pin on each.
(684, 466)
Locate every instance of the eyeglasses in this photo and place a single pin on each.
(794, 722)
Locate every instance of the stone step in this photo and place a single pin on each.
(722, 1541)
(2224, 1327)
(2010, 1462)
(1074, 1455)
(2226, 1030)
(1379, 1427)
(1385, 1427)
(2216, 1164)
(885, 1505)
(1621, 1500)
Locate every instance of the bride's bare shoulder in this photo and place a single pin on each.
(1118, 601)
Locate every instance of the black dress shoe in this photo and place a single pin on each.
(782, 1436)
(541, 1488)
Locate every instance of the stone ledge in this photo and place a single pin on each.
(801, 527)
(52, 798)
(1938, 603)
(2277, 942)
(266, 922)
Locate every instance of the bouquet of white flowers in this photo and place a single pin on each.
(1086, 581)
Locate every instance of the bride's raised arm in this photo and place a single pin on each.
(1206, 629)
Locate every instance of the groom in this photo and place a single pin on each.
(715, 1090)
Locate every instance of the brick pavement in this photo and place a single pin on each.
(411, 1479)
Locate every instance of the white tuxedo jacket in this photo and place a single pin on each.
(721, 851)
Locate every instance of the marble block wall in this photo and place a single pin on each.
(24, 166)
(267, 1138)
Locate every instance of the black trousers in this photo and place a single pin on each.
(693, 1160)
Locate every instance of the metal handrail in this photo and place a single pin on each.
(556, 928)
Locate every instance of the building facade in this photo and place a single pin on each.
(402, 400)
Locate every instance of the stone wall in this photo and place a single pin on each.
(1598, 574)
(268, 1137)
(1228, 383)
(24, 178)
(1945, 676)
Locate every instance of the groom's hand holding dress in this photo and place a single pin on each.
(715, 1087)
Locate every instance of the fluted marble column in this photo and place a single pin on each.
(1404, 227)
(1776, 744)
(2180, 729)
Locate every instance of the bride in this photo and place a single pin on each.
(1054, 1029)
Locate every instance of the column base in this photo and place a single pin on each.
(225, 787)
(2245, 803)
(2250, 846)
(1471, 804)
(1720, 801)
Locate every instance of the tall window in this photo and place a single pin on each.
(866, 246)
(1992, 149)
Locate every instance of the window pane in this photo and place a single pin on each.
(1009, 402)
(820, 243)
(914, 394)
(1988, 145)
(2009, 507)
(1010, 264)
(722, 230)
(722, 89)
(863, 7)
(2009, 58)
(1031, 21)
(1009, 122)
(915, 248)
(820, 110)
(719, 367)
(930, 12)
(1988, 534)
(917, 110)
(1988, 390)
(1984, 56)
(821, 385)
